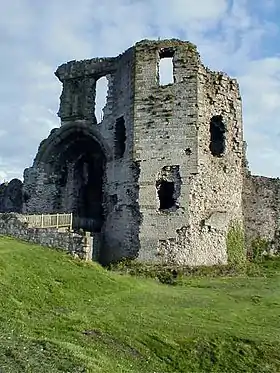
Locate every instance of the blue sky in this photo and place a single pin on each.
(240, 37)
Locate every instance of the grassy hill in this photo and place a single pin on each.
(62, 315)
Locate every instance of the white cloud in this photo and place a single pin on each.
(260, 84)
(35, 37)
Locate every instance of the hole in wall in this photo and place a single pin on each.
(165, 194)
(217, 136)
(120, 137)
(168, 187)
(101, 92)
(165, 66)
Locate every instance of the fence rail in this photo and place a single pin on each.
(50, 221)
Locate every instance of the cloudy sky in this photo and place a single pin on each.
(240, 37)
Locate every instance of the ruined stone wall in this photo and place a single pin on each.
(165, 137)
(170, 189)
(11, 198)
(172, 131)
(48, 181)
(14, 225)
(121, 188)
(261, 201)
(215, 188)
(216, 191)
(39, 190)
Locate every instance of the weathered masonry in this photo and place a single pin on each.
(160, 176)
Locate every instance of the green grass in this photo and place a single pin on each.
(63, 315)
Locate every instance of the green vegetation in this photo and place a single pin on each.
(63, 315)
(174, 275)
(235, 244)
(259, 246)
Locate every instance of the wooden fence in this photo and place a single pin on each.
(92, 239)
(50, 221)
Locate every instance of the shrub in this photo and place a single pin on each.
(235, 244)
(259, 249)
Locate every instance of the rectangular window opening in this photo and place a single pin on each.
(166, 73)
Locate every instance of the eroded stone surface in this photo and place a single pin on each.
(11, 198)
(147, 173)
(262, 209)
(162, 176)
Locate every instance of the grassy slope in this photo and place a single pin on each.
(62, 315)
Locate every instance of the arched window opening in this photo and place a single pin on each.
(166, 74)
(217, 136)
(101, 92)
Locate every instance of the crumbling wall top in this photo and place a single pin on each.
(166, 42)
(169, 47)
(76, 69)
(99, 66)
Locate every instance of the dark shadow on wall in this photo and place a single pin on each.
(79, 162)
(11, 196)
(217, 136)
(168, 187)
(165, 194)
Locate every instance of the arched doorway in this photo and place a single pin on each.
(88, 180)
(77, 162)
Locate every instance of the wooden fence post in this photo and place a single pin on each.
(71, 221)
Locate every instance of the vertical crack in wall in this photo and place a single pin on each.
(120, 137)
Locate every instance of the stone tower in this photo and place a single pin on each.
(160, 177)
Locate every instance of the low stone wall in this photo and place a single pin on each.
(15, 225)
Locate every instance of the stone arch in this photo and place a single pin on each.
(58, 135)
(74, 157)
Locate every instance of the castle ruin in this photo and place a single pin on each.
(163, 176)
